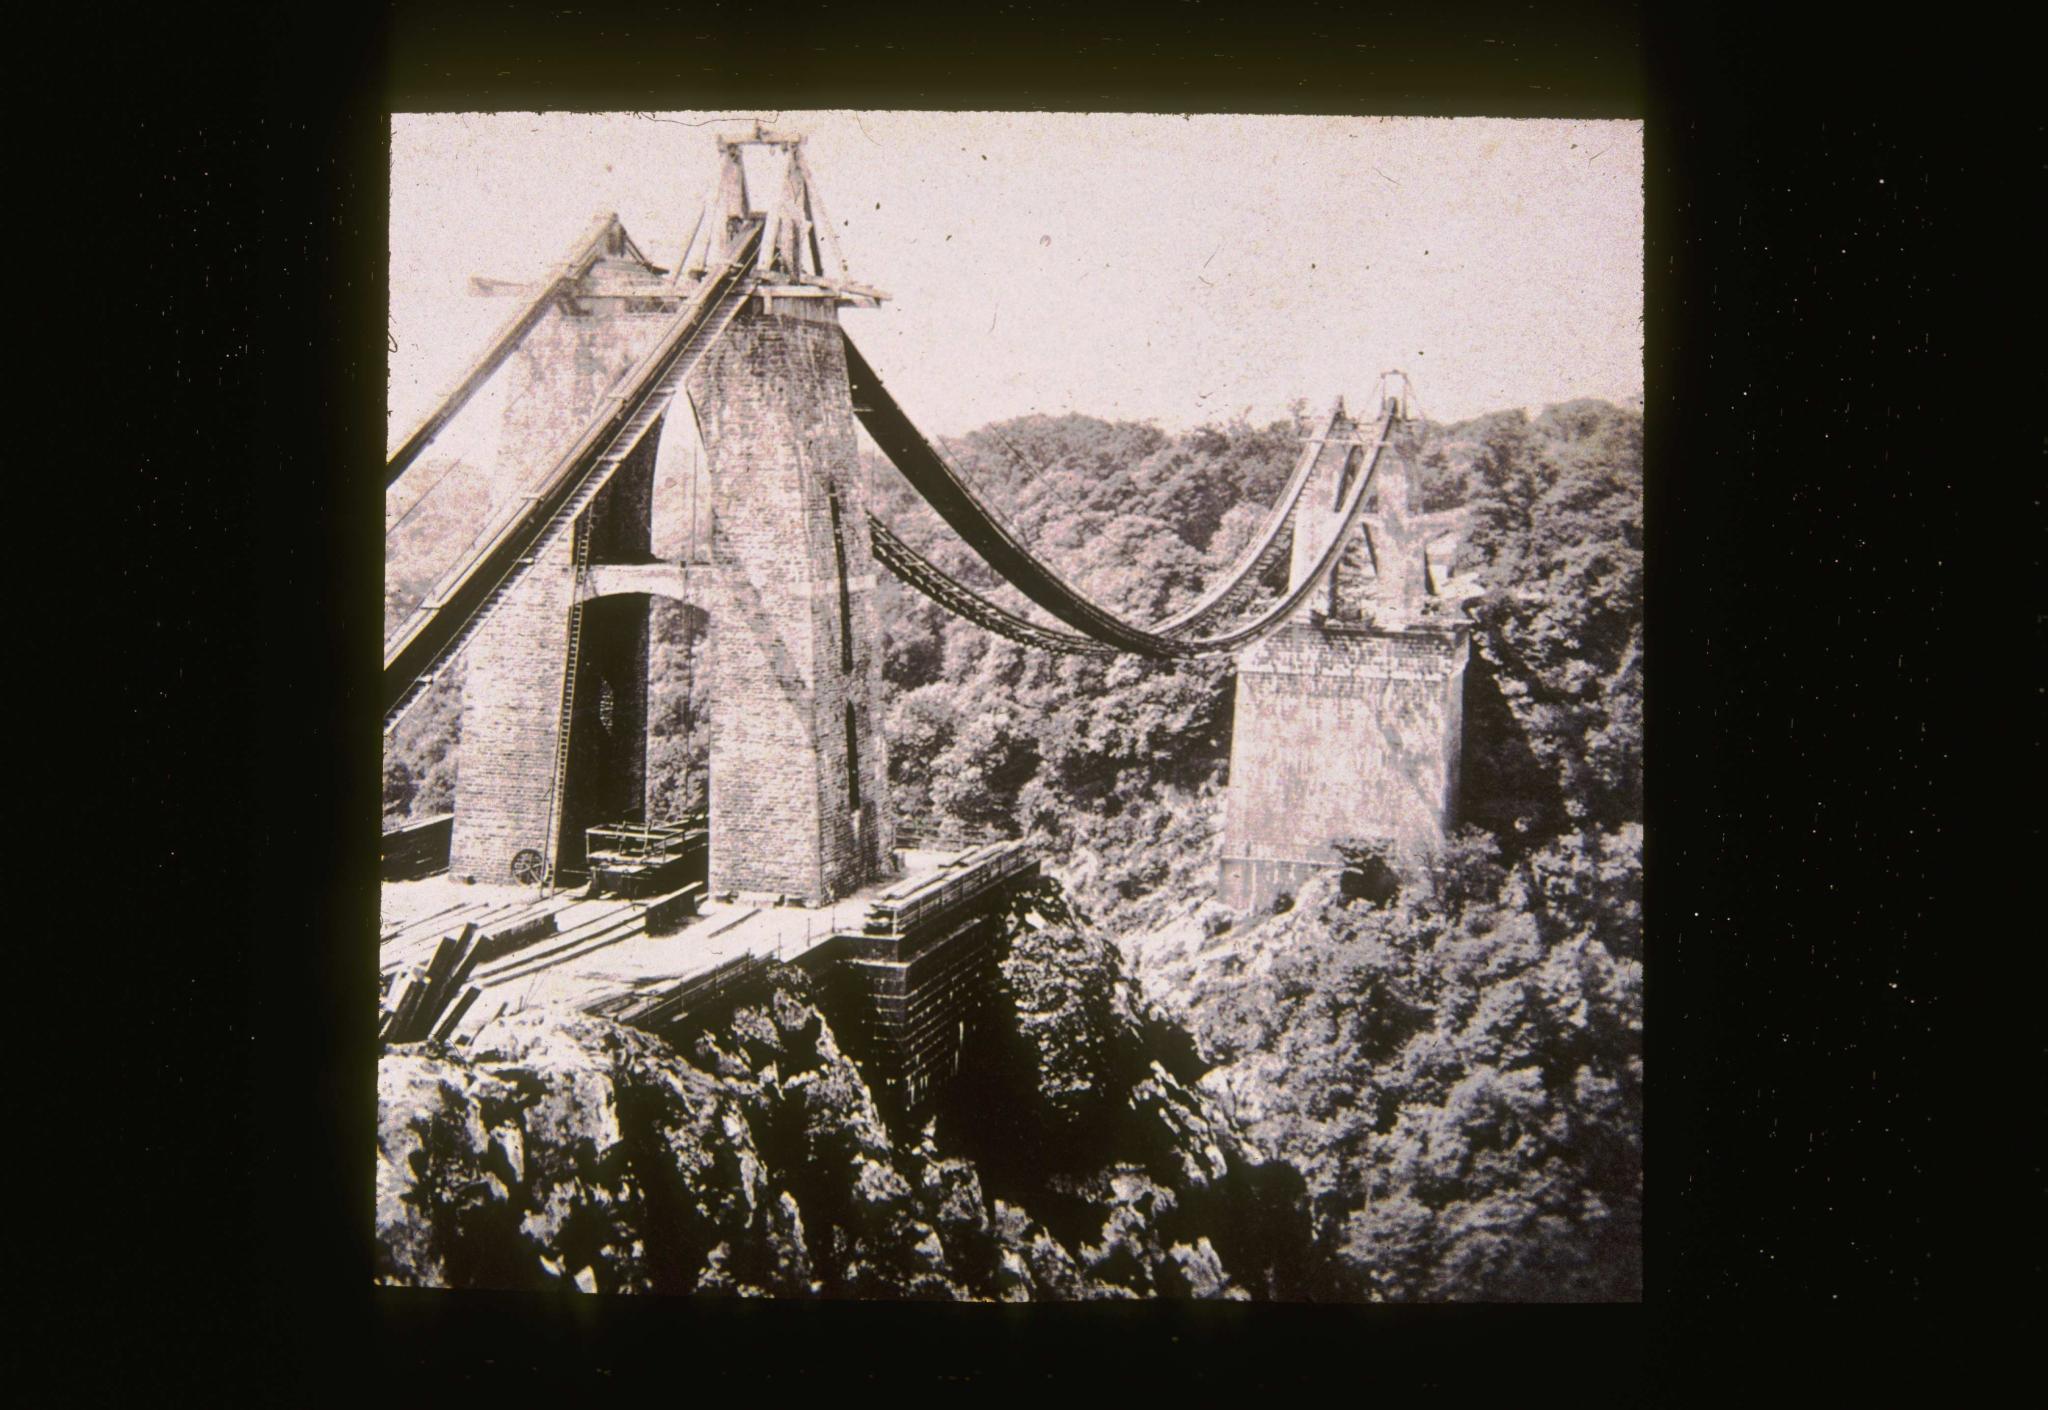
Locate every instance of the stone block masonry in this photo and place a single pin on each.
(1341, 730)
(912, 1007)
(512, 705)
(916, 1019)
(512, 689)
(799, 773)
(558, 374)
(511, 709)
(799, 768)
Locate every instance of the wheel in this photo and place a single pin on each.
(528, 867)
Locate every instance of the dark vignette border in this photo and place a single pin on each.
(1795, 823)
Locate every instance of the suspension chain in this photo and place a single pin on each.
(962, 601)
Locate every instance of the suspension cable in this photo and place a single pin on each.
(960, 507)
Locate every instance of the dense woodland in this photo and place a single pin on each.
(1456, 1069)
(1450, 1063)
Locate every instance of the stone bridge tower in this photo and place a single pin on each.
(799, 775)
(1349, 720)
(799, 769)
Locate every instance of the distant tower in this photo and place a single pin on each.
(799, 775)
(1350, 723)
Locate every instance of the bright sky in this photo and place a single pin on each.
(1153, 267)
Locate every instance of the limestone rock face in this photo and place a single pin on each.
(1197, 1148)
(568, 1152)
(1202, 1271)
(443, 1181)
(554, 1152)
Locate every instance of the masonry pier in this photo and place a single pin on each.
(1341, 730)
(555, 697)
(1349, 722)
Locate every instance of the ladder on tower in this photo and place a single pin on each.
(556, 789)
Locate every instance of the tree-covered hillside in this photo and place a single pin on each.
(1457, 1070)
(1454, 1069)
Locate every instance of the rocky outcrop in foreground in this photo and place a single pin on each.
(562, 1151)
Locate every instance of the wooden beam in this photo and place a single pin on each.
(439, 970)
(845, 286)
(446, 1026)
(509, 337)
(407, 1008)
(823, 219)
(762, 137)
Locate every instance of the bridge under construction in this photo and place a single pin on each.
(1349, 666)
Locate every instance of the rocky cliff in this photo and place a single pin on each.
(562, 1151)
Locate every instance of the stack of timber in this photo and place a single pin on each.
(952, 882)
(670, 1010)
(508, 924)
(669, 914)
(428, 1001)
(515, 934)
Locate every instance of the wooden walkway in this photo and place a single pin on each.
(596, 955)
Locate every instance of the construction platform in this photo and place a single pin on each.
(902, 964)
(641, 862)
